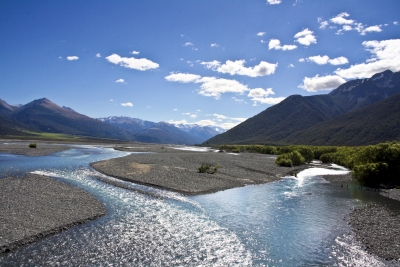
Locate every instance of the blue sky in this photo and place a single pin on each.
(207, 62)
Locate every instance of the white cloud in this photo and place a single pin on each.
(175, 109)
(375, 28)
(261, 33)
(186, 113)
(193, 116)
(318, 83)
(264, 42)
(120, 81)
(322, 60)
(395, 22)
(323, 24)
(237, 68)
(111, 100)
(141, 64)
(188, 44)
(211, 64)
(290, 66)
(214, 87)
(72, 58)
(274, 2)
(98, 55)
(302, 60)
(127, 104)
(339, 61)
(219, 116)
(178, 122)
(385, 56)
(214, 45)
(261, 96)
(276, 44)
(134, 52)
(305, 37)
(340, 19)
(237, 99)
(182, 77)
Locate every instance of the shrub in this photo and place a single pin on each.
(307, 153)
(33, 145)
(371, 174)
(290, 159)
(208, 168)
(327, 157)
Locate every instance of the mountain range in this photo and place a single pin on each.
(359, 112)
(44, 116)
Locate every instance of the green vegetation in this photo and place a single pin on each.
(208, 168)
(373, 165)
(33, 145)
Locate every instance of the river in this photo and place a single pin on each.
(296, 221)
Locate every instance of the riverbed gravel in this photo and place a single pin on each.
(377, 228)
(177, 170)
(22, 148)
(36, 206)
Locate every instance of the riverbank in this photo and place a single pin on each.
(177, 170)
(37, 206)
(378, 229)
(22, 148)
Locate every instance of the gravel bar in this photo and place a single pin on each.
(36, 206)
(22, 148)
(177, 170)
(378, 229)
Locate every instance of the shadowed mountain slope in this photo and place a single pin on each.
(376, 123)
(297, 113)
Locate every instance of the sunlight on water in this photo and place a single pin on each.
(297, 221)
(138, 230)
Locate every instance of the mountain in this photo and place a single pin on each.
(165, 133)
(147, 131)
(202, 133)
(5, 109)
(42, 115)
(376, 123)
(131, 124)
(298, 113)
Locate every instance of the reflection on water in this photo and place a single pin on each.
(297, 221)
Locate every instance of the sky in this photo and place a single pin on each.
(183, 61)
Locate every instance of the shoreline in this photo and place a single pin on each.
(37, 206)
(176, 170)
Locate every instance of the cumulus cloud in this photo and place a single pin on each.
(290, 66)
(276, 44)
(182, 77)
(134, 52)
(375, 28)
(237, 68)
(120, 81)
(214, 45)
(261, 33)
(341, 19)
(72, 58)
(395, 22)
(305, 37)
(188, 44)
(219, 116)
(352, 25)
(193, 116)
(385, 56)
(98, 55)
(215, 87)
(127, 104)
(274, 2)
(323, 24)
(141, 64)
(322, 60)
(262, 96)
(318, 83)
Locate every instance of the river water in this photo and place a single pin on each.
(297, 221)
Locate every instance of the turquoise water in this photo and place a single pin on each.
(292, 222)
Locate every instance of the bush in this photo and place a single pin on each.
(33, 145)
(208, 168)
(327, 158)
(290, 159)
(371, 174)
